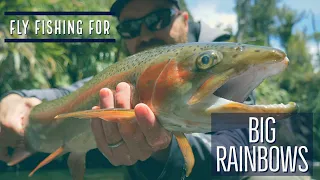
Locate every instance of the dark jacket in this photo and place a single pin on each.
(203, 144)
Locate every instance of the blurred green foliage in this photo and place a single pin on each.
(46, 65)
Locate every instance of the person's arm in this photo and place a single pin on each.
(15, 106)
(48, 94)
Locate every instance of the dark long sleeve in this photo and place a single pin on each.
(204, 147)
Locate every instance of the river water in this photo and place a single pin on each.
(63, 174)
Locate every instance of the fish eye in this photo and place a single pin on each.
(207, 60)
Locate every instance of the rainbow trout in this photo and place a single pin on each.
(182, 84)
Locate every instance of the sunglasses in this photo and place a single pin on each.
(154, 21)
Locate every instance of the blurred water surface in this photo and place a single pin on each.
(63, 174)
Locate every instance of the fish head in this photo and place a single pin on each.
(204, 78)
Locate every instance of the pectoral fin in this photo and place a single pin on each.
(77, 165)
(47, 160)
(113, 114)
(186, 151)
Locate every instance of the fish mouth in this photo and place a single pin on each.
(230, 97)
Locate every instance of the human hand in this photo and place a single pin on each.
(142, 138)
(14, 113)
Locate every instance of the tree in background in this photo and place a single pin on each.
(254, 20)
(286, 19)
(316, 37)
(185, 8)
(243, 18)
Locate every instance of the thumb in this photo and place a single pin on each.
(22, 120)
(31, 102)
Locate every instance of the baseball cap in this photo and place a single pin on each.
(118, 5)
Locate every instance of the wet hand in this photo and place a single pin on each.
(126, 143)
(14, 113)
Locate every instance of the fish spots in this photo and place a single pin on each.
(257, 50)
(235, 55)
(85, 94)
